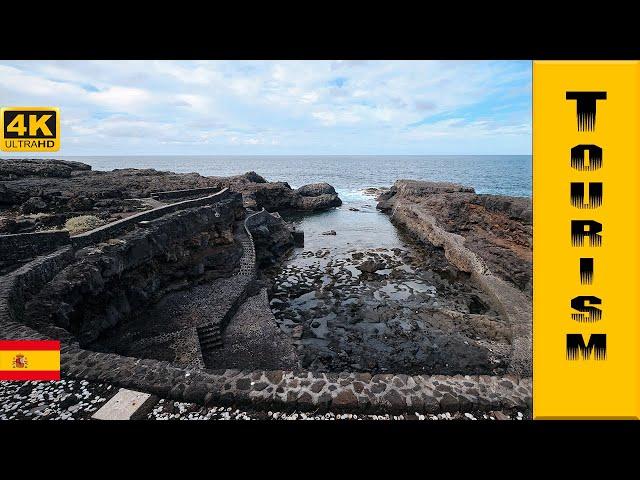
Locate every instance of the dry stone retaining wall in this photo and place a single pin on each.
(20, 247)
(260, 389)
(110, 230)
(171, 194)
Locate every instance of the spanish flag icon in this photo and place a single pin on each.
(29, 360)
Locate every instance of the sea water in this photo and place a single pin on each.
(350, 175)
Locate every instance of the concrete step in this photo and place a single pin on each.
(210, 340)
(207, 340)
(126, 405)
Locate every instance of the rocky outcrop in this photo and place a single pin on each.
(45, 193)
(272, 236)
(317, 196)
(280, 197)
(496, 228)
(490, 237)
(12, 169)
(316, 189)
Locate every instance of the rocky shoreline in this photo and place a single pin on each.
(413, 314)
(205, 273)
(487, 236)
(44, 194)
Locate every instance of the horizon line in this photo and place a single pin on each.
(53, 154)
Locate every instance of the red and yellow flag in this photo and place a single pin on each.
(29, 360)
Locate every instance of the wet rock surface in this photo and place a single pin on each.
(405, 311)
(489, 237)
(497, 228)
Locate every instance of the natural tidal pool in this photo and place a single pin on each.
(369, 298)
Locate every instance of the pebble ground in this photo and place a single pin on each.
(63, 400)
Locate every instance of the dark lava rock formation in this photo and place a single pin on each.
(164, 260)
(272, 237)
(43, 194)
(169, 301)
(487, 236)
(417, 314)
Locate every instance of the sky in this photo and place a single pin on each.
(280, 107)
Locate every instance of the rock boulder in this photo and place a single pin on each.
(272, 236)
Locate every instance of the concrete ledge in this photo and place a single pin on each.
(126, 405)
(171, 194)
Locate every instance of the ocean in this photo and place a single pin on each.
(498, 174)
(366, 227)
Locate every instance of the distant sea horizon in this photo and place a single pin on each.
(349, 174)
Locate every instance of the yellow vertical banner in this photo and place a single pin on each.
(586, 202)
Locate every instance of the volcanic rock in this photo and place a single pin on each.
(487, 236)
(370, 266)
(32, 186)
(273, 237)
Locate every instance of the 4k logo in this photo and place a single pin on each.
(30, 129)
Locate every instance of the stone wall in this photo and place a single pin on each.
(22, 247)
(352, 392)
(110, 281)
(23, 283)
(304, 391)
(113, 229)
(172, 194)
(104, 273)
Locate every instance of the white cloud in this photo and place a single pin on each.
(338, 117)
(15, 81)
(120, 98)
(279, 106)
(459, 128)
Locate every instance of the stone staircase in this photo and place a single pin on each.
(210, 337)
(210, 334)
(248, 260)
